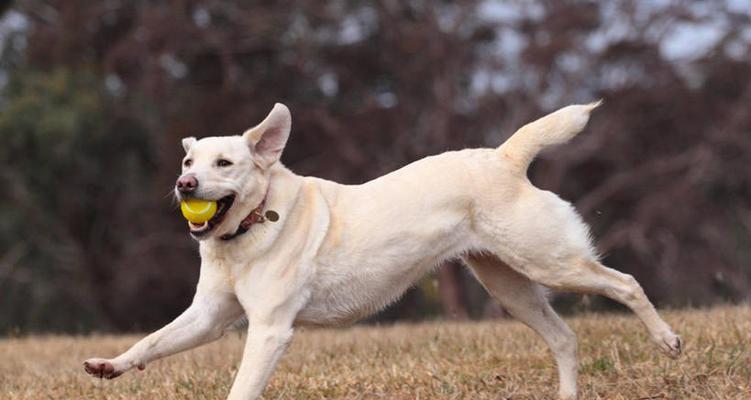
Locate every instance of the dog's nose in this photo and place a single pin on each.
(186, 183)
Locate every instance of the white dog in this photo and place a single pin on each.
(286, 250)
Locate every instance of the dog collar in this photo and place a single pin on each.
(255, 216)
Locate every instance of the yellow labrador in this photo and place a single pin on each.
(287, 250)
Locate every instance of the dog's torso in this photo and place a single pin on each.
(347, 251)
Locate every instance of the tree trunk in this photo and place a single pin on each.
(451, 291)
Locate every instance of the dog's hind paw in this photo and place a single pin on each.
(672, 345)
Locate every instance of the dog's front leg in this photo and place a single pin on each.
(204, 321)
(271, 306)
(263, 347)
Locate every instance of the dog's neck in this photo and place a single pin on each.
(264, 211)
(255, 216)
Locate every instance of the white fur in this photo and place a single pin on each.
(340, 252)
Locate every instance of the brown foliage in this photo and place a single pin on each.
(660, 174)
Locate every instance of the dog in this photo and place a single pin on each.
(285, 250)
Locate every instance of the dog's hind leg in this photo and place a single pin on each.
(543, 238)
(525, 300)
(589, 276)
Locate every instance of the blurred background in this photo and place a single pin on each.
(95, 96)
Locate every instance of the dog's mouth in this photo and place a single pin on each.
(222, 206)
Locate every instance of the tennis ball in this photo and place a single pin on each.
(198, 211)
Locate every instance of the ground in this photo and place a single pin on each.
(438, 360)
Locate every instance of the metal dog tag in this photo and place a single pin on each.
(272, 216)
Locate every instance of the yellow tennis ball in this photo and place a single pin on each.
(198, 211)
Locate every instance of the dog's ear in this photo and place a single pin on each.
(188, 143)
(267, 139)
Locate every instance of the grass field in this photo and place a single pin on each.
(441, 360)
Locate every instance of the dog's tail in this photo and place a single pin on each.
(555, 128)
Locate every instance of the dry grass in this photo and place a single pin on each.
(488, 360)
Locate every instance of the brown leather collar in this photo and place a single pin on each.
(255, 216)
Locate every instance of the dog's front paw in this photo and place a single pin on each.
(101, 368)
(671, 344)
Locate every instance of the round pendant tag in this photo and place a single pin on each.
(272, 216)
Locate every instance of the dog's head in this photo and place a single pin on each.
(232, 170)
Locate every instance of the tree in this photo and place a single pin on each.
(372, 85)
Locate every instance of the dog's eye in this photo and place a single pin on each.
(187, 163)
(223, 163)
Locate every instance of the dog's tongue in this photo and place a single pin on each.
(198, 227)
